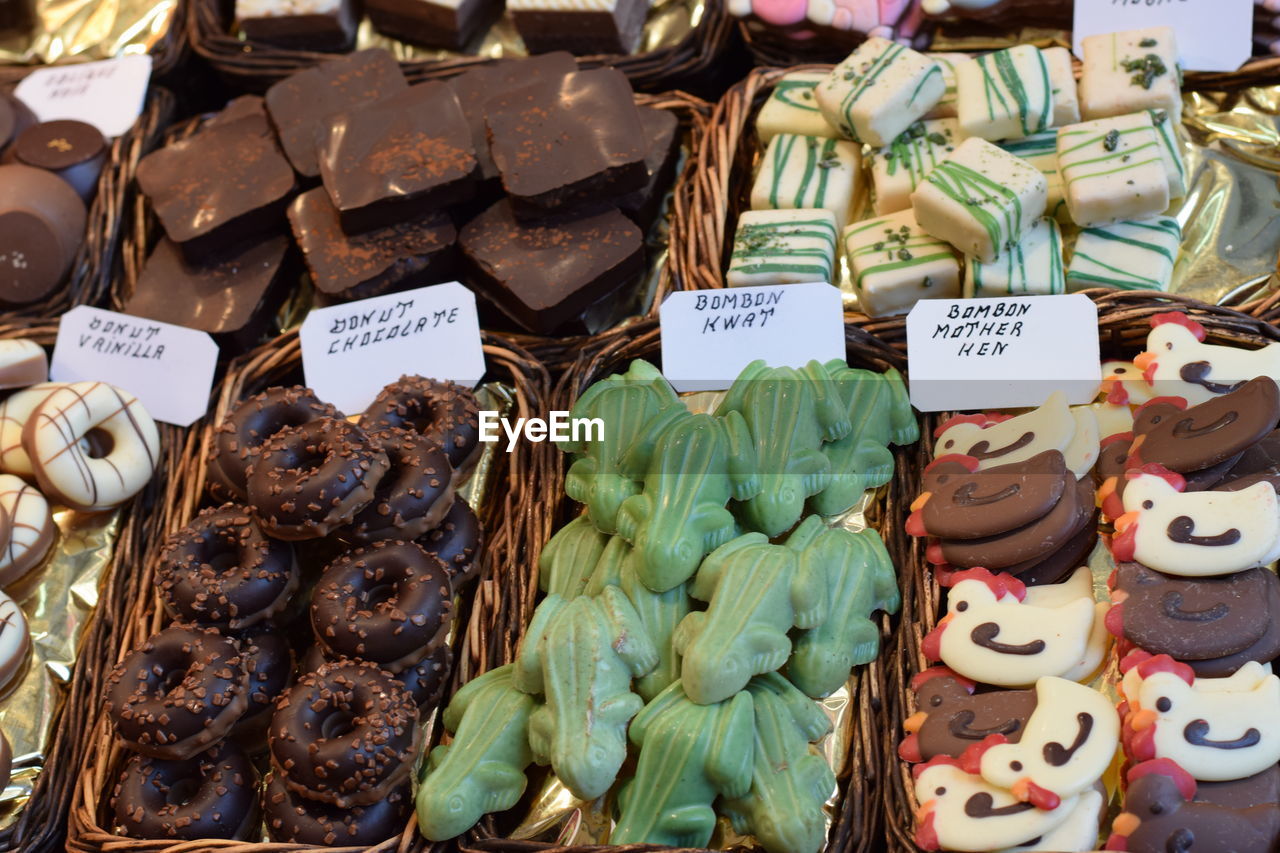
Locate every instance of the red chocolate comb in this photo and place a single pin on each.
(969, 462)
(1165, 767)
(1164, 663)
(1179, 319)
(1001, 584)
(924, 676)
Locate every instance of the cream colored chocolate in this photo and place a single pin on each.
(14, 412)
(1112, 169)
(809, 172)
(880, 90)
(1130, 71)
(1032, 266)
(893, 264)
(1005, 94)
(67, 471)
(899, 167)
(783, 247)
(1062, 83)
(32, 530)
(1041, 151)
(22, 363)
(1170, 153)
(15, 640)
(792, 107)
(946, 106)
(1134, 255)
(980, 199)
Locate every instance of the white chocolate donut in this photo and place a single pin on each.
(15, 640)
(22, 363)
(6, 761)
(108, 417)
(14, 411)
(31, 525)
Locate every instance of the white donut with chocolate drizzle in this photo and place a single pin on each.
(32, 530)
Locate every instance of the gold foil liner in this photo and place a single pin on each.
(50, 31)
(57, 598)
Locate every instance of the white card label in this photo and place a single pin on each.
(1212, 35)
(352, 351)
(169, 368)
(1002, 353)
(709, 336)
(108, 94)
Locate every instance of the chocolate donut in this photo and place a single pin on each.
(211, 795)
(425, 680)
(414, 496)
(221, 569)
(309, 480)
(456, 542)
(248, 426)
(345, 734)
(178, 693)
(390, 603)
(269, 661)
(291, 817)
(445, 412)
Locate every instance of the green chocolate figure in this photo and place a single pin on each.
(689, 754)
(583, 654)
(482, 769)
(569, 558)
(789, 783)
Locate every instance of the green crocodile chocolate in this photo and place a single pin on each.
(699, 463)
(781, 408)
(689, 755)
(860, 581)
(583, 654)
(757, 593)
(569, 558)
(789, 783)
(634, 406)
(660, 612)
(881, 414)
(482, 769)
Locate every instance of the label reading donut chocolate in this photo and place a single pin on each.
(968, 354)
(352, 351)
(169, 368)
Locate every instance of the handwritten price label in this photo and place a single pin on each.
(1002, 353)
(108, 94)
(169, 368)
(1212, 35)
(351, 351)
(709, 336)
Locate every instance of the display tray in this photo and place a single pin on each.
(682, 40)
(856, 814)
(143, 231)
(500, 487)
(1224, 139)
(1123, 324)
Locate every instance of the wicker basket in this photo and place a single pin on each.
(1122, 331)
(252, 67)
(143, 230)
(859, 821)
(508, 518)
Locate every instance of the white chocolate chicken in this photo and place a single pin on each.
(1178, 363)
(1002, 440)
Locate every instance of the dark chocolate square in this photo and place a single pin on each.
(313, 31)
(300, 103)
(234, 299)
(398, 158)
(560, 144)
(433, 24)
(409, 254)
(662, 137)
(584, 32)
(245, 106)
(544, 275)
(220, 188)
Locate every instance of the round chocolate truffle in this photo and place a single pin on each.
(72, 150)
(42, 224)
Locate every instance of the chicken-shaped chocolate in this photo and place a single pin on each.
(689, 755)
(788, 413)
(482, 769)
(999, 632)
(634, 407)
(790, 783)
(880, 413)
(959, 810)
(1166, 811)
(1195, 534)
(1068, 743)
(569, 558)
(1001, 440)
(860, 582)
(756, 593)
(1217, 729)
(699, 463)
(1178, 363)
(583, 654)
(953, 717)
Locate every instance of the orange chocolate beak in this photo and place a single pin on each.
(914, 723)
(1142, 719)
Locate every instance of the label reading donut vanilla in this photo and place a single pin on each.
(352, 351)
(169, 368)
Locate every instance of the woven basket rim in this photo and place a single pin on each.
(1122, 323)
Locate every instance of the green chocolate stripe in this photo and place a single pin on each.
(899, 265)
(791, 93)
(936, 69)
(1000, 76)
(1164, 132)
(1139, 244)
(974, 191)
(881, 64)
